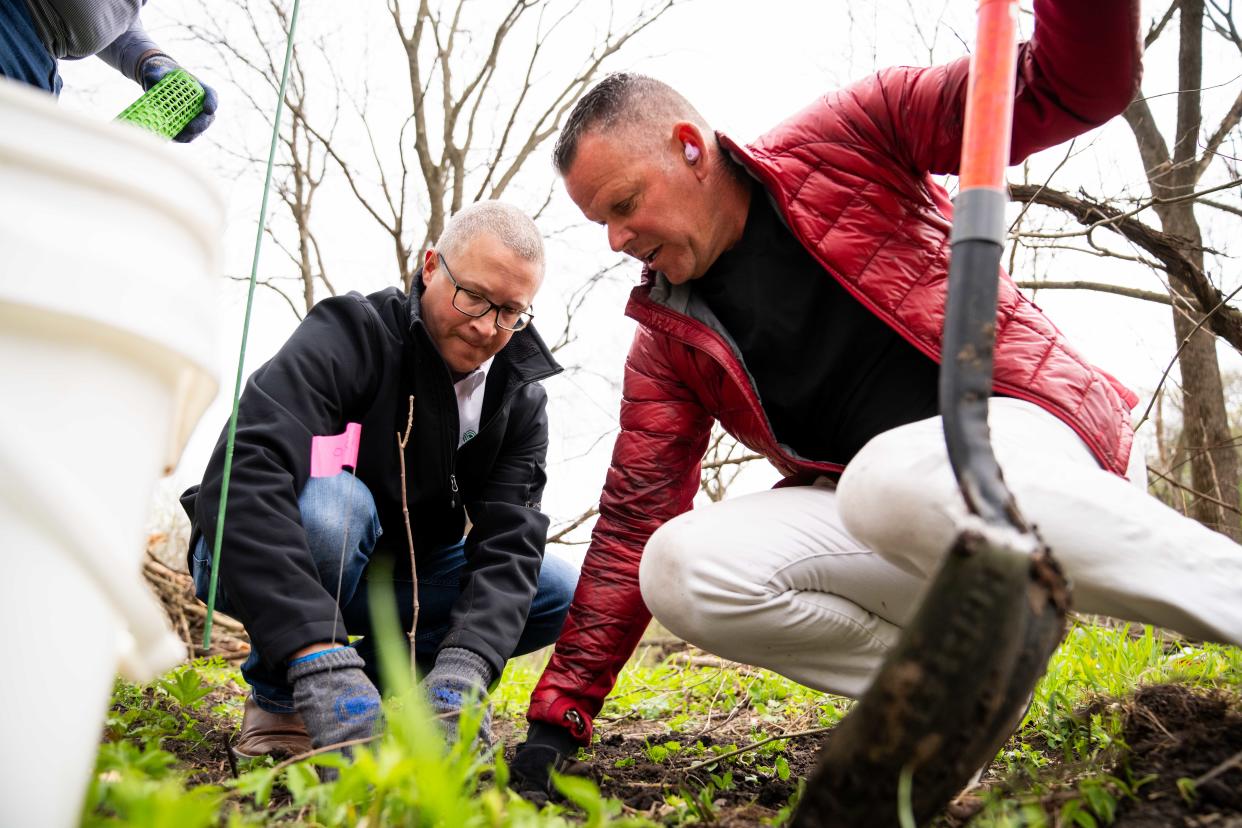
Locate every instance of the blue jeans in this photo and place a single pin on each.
(23, 57)
(329, 505)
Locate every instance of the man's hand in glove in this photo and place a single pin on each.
(547, 748)
(459, 678)
(153, 69)
(337, 701)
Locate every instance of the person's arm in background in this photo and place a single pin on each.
(1080, 68)
(328, 368)
(136, 56)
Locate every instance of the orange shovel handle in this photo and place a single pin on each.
(990, 93)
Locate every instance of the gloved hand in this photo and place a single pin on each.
(156, 67)
(547, 748)
(458, 678)
(337, 701)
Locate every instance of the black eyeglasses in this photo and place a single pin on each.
(473, 304)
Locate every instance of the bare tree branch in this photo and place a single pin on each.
(1117, 216)
(1101, 287)
(1198, 494)
(1226, 126)
(564, 529)
(1157, 28)
(270, 283)
(1181, 347)
(1228, 208)
(1169, 250)
(577, 299)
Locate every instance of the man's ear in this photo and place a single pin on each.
(431, 261)
(692, 147)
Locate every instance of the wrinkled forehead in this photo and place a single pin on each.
(498, 273)
(607, 168)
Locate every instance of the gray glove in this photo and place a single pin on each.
(459, 677)
(336, 699)
(152, 70)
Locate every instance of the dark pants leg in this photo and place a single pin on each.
(331, 504)
(23, 57)
(439, 585)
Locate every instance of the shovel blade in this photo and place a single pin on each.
(951, 691)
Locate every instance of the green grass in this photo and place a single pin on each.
(410, 777)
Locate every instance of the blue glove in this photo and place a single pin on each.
(460, 677)
(156, 67)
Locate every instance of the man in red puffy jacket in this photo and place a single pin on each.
(793, 290)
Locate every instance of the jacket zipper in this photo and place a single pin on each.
(450, 459)
(451, 445)
(455, 492)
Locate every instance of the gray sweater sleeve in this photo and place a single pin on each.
(124, 53)
(80, 28)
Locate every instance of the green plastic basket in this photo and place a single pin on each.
(168, 106)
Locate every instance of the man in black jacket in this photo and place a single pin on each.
(459, 359)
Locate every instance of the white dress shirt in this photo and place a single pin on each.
(469, 390)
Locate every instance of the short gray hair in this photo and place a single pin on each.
(507, 223)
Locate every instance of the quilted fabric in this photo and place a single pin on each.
(852, 175)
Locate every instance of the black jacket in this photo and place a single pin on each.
(358, 359)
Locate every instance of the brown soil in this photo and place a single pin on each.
(1174, 733)
(641, 786)
(206, 760)
(210, 759)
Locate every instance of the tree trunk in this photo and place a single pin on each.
(1213, 459)
(1207, 438)
(1208, 442)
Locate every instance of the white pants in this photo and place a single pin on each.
(815, 583)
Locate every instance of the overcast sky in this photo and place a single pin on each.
(746, 66)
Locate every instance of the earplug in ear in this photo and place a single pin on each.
(692, 152)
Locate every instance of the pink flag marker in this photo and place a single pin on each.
(332, 453)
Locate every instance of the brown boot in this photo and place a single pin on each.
(270, 734)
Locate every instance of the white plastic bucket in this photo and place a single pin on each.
(108, 246)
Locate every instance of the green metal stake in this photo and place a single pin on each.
(241, 358)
